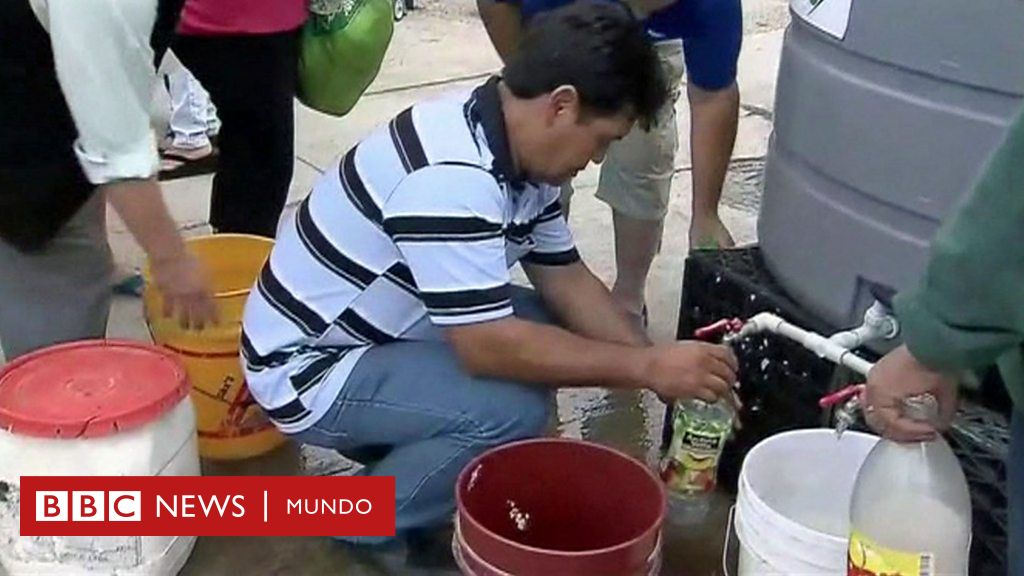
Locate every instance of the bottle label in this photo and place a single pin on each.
(867, 558)
(697, 443)
(693, 462)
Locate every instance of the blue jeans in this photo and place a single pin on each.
(408, 410)
(1015, 489)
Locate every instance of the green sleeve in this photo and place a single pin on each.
(968, 309)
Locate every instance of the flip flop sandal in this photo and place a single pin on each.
(174, 165)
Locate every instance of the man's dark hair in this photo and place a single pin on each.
(599, 48)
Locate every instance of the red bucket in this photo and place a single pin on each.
(558, 506)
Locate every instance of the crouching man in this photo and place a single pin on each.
(384, 324)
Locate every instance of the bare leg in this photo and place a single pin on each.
(636, 243)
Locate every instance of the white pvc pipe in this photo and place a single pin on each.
(820, 345)
(853, 338)
(878, 324)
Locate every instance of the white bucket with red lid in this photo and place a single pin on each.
(93, 408)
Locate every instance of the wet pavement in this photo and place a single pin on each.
(628, 421)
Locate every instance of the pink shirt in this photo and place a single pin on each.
(224, 17)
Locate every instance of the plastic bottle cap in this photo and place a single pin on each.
(921, 408)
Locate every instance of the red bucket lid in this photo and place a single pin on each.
(89, 389)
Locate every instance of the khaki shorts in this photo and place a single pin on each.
(636, 174)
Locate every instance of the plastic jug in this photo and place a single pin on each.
(911, 507)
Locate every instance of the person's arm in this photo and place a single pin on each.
(179, 275)
(599, 345)
(503, 21)
(711, 47)
(583, 304)
(714, 118)
(968, 309)
(570, 291)
(454, 245)
(525, 351)
(105, 68)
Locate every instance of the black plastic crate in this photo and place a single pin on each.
(981, 440)
(781, 383)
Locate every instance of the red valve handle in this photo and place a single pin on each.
(841, 395)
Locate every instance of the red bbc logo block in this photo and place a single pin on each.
(88, 506)
(207, 506)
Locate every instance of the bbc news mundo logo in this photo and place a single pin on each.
(207, 506)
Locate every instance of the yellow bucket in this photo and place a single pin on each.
(231, 425)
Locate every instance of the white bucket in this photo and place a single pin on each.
(792, 508)
(150, 440)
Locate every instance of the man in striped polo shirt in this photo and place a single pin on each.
(384, 324)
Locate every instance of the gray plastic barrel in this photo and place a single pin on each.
(877, 137)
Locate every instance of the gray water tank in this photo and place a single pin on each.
(877, 137)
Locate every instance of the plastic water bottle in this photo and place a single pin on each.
(690, 467)
(911, 508)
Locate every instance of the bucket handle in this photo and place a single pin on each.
(728, 538)
(459, 548)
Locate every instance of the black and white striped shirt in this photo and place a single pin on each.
(424, 217)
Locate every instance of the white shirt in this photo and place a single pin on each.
(420, 221)
(104, 64)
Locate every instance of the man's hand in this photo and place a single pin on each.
(185, 289)
(896, 377)
(692, 370)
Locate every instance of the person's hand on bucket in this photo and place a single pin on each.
(176, 273)
(692, 370)
(185, 288)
